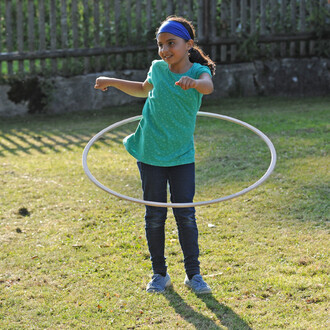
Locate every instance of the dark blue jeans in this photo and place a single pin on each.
(181, 181)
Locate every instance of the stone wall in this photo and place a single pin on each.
(285, 77)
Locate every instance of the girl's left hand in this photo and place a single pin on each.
(186, 83)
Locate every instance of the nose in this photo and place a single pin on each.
(163, 48)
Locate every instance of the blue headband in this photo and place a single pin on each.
(175, 28)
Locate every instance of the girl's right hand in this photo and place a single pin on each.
(186, 83)
(102, 83)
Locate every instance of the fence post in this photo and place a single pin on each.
(190, 10)
(283, 22)
(74, 15)
(203, 21)
(159, 11)
(117, 32)
(263, 24)
(9, 35)
(42, 33)
(138, 17)
(64, 35)
(0, 40)
(274, 11)
(293, 27)
(86, 33)
(213, 27)
(233, 14)
(169, 7)
(302, 25)
(223, 28)
(31, 32)
(96, 13)
(200, 20)
(52, 16)
(243, 19)
(20, 34)
(206, 21)
(311, 46)
(180, 8)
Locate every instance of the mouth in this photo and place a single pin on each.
(167, 57)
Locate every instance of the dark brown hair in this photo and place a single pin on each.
(196, 54)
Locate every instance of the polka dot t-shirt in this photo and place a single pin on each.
(164, 136)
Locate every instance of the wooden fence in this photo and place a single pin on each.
(69, 37)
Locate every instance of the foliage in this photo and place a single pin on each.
(31, 90)
(73, 257)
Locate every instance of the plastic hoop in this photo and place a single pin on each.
(178, 205)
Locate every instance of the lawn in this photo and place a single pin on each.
(73, 256)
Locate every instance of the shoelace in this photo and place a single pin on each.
(157, 279)
(199, 281)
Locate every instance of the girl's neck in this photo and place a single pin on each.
(181, 67)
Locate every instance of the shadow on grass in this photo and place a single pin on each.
(55, 133)
(27, 141)
(227, 317)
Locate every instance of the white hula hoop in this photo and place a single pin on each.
(177, 205)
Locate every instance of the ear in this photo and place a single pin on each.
(190, 44)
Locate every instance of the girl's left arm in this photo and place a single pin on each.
(203, 84)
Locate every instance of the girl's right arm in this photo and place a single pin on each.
(134, 88)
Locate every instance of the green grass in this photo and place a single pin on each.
(77, 257)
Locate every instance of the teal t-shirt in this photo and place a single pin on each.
(164, 136)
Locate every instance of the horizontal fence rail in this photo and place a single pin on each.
(69, 37)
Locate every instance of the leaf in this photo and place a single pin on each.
(77, 246)
(213, 275)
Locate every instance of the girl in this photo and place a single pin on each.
(163, 142)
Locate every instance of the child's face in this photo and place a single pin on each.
(172, 49)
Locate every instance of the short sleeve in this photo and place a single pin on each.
(202, 69)
(149, 76)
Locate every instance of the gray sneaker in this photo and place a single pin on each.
(197, 284)
(159, 283)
